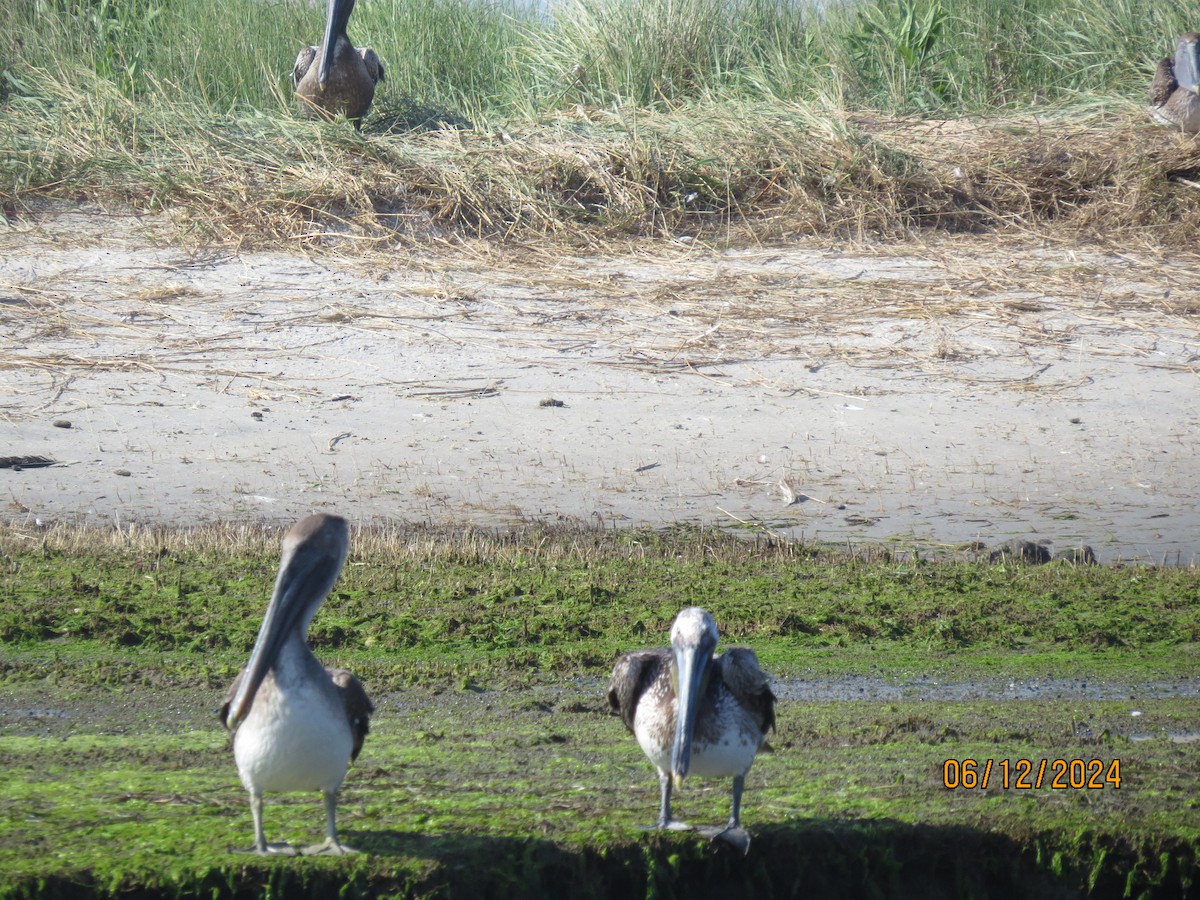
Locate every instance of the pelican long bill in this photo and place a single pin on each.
(336, 20)
(1187, 64)
(299, 580)
(1175, 89)
(692, 661)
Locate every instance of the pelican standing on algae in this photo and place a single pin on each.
(1175, 91)
(695, 713)
(296, 724)
(337, 78)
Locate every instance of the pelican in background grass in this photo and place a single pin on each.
(1175, 91)
(337, 78)
(695, 713)
(297, 725)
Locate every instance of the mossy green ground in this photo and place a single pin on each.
(493, 768)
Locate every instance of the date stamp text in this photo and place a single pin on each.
(1031, 774)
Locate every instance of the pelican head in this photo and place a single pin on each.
(313, 554)
(335, 27)
(1187, 62)
(693, 640)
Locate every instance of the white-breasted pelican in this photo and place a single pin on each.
(695, 713)
(297, 725)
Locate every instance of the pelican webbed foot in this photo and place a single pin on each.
(733, 835)
(673, 825)
(270, 850)
(330, 847)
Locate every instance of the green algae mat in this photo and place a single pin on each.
(946, 729)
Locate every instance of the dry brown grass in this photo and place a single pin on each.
(590, 176)
(425, 545)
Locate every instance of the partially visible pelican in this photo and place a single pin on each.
(693, 712)
(343, 80)
(296, 724)
(1175, 91)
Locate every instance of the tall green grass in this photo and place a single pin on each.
(511, 58)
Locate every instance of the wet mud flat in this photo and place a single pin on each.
(931, 394)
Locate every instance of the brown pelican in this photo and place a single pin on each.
(695, 712)
(1175, 91)
(296, 724)
(343, 80)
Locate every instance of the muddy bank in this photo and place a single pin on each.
(816, 859)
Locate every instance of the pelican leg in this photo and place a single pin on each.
(261, 847)
(332, 846)
(664, 806)
(665, 819)
(733, 833)
(735, 815)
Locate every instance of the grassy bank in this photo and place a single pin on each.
(493, 768)
(712, 119)
(533, 793)
(530, 604)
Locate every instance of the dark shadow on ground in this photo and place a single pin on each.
(406, 114)
(808, 858)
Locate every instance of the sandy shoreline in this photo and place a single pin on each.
(948, 391)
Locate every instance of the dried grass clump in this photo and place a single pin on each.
(786, 171)
(1122, 179)
(767, 171)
